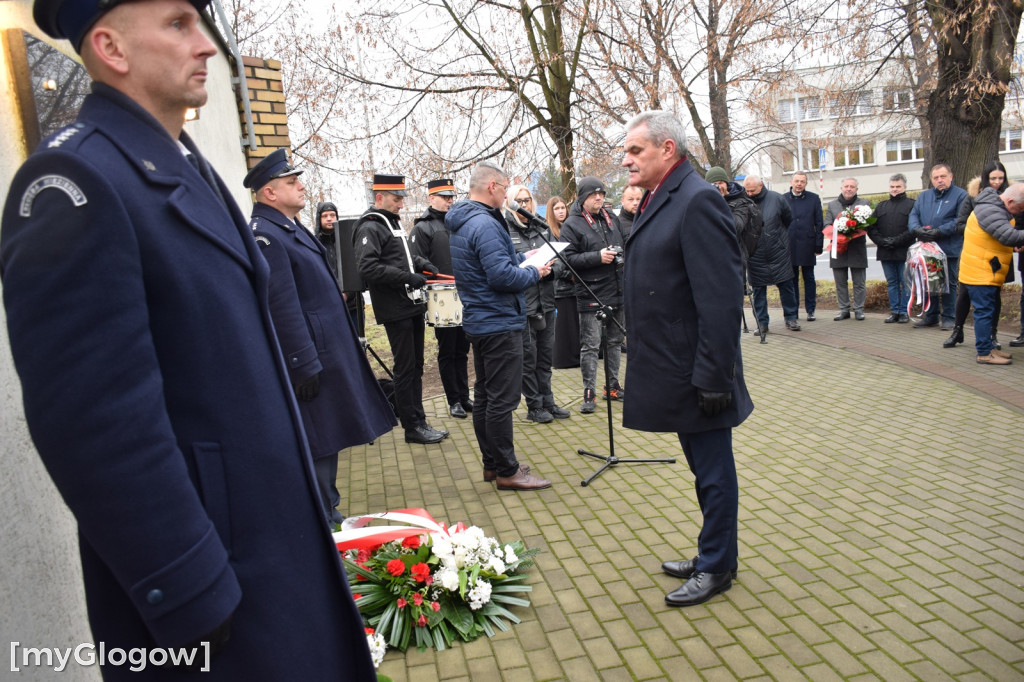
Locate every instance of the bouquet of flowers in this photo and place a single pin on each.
(849, 224)
(430, 584)
(925, 274)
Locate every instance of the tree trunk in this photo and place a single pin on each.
(976, 40)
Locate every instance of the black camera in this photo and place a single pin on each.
(618, 250)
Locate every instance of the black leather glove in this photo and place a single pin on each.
(308, 389)
(416, 281)
(886, 242)
(711, 403)
(924, 235)
(431, 268)
(218, 639)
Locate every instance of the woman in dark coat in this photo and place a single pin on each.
(567, 317)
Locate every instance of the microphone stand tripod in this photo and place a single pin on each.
(604, 314)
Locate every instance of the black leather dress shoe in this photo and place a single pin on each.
(1018, 342)
(926, 323)
(684, 568)
(895, 317)
(558, 412)
(841, 316)
(467, 405)
(423, 435)
(699, 588)
(457, 411)
(858, 316)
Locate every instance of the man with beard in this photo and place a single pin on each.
(339, 398)
(853, 261)
(429, 239)
(152, 381)
(394, 276)
(630, 202)
(595, 254)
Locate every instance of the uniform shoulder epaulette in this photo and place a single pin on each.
(68, 138)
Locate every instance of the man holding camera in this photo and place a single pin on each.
(595, 253)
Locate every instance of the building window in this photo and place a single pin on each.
(1010, 140)
(903, 150)
(810, 109)
(898, 100)
(851, 104)
(854, 155)
(810, 160)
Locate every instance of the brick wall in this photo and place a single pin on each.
(266, 100)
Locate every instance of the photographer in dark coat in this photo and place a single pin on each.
(684, 299)
(890, 235)
(430, 240)
(595, 253)
(394, 276)
(339, 398)
(770, 262)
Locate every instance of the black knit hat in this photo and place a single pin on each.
(587, 186)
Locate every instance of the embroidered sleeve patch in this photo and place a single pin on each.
(76, 195)
(262, 240)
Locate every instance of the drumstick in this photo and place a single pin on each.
(439, 275)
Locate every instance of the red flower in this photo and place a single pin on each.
(421, 572)
(411, 542)
(851, 223)
(402, 603)
(362, 556)
(422, 622)
(434, 605)
(359, 576)
(369, 631)
(417, 599)
(356, 595)
(396, 567)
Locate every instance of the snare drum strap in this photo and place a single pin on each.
(400, 233)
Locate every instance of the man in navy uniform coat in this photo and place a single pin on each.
(339, 397)
(683, 310)
(153, 384)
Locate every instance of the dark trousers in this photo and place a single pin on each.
(709, 455)
(453, 363)
(406, 339)
(787, 296)
(326, 469)
(498, 361)
(810, 287)
(538, 348)
(963, 306)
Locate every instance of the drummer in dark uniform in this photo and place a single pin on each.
(394, 275)
(430, 240)
(339, 397)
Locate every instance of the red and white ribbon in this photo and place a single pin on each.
(356, 534)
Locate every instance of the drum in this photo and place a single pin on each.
(444, 309)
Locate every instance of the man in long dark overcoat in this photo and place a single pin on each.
(154, 388)
(339, 397)
(684, 305)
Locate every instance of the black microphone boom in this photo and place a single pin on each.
(523, 213)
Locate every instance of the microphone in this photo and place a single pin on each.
(526, 215)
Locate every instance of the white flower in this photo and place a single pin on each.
(510, 556)
(441, 546)
(377, 648)
(448, 578)
(496, 565)
(479, 595)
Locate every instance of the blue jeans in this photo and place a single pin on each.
(709, 456)
(787, 295)
(983, 298)
(810, 287)
(899, 295)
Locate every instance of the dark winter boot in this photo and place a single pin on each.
(956, 337)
